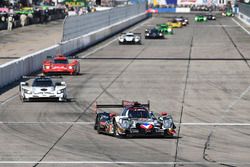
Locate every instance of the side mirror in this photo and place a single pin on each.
(163, 113)
(58, 83)
(112, 114)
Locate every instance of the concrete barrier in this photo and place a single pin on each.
(14, 70)
(244, 18)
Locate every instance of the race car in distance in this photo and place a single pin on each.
(183, 20)
(43, 88)
(228, 12)
(211, 17)
(130, 38)
(135, 120)
(153, 34)
(165, 29)
(174, 23)
(200, 18)
(61, 65)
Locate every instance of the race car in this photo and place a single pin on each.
(43, 88)
(228, 12)
(165, 29)
(183, 20)
(153, 34)
(130, 38)
(61, 65)
(211, 17)
(174, 23)
(135, 120)
(200, 18)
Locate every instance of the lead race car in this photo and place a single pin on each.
(61, 65)
(130, 38)
(43, 88)
(135, 119)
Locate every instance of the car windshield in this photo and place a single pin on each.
(154, 31)
(61, 61)
(105, 117)
(42, 82)
(138, 113)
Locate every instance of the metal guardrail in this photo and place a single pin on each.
(75, 26)
(244, 9)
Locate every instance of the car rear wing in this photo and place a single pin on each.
(125, 103)
(135, 33)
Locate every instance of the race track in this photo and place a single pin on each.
(200, 75)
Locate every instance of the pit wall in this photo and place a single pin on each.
(14, 70)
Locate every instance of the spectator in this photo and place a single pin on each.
(23, 19)
(10, 22)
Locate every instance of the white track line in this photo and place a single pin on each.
(110, 42)
(125, 162)
(91, 123)
(6, 101)
(241, 26)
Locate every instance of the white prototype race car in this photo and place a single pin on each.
(130, 38)
(43, 88)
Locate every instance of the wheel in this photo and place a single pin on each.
(166, 134)
(115, 132)
(98, 128)
(23, 99)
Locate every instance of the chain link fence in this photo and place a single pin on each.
(75, 26)
(244, 9)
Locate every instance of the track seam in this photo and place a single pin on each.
(206, 145)
(183, 101)
(91, 104)
(235, 46)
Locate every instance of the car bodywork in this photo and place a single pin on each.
(228, 13)
(164, 28)
(43, 88)
(134, 120)
(211, 17)
(183, 20)
(200, 18)
(61, 65)
(153, 34)
(130, 38)
(174, 23)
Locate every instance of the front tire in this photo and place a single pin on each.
(116, 133)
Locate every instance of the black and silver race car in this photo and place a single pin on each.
(135, 120)
(153, 34)
(211, 16)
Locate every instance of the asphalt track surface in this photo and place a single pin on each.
(199, 75)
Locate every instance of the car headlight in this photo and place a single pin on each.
(27, 91)
(60, 91)
(124, 123)
(147, 34)
(169, 29)
(46, 67)
(160, 34)
(70, 67)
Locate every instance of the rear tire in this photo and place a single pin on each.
(98, 128)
